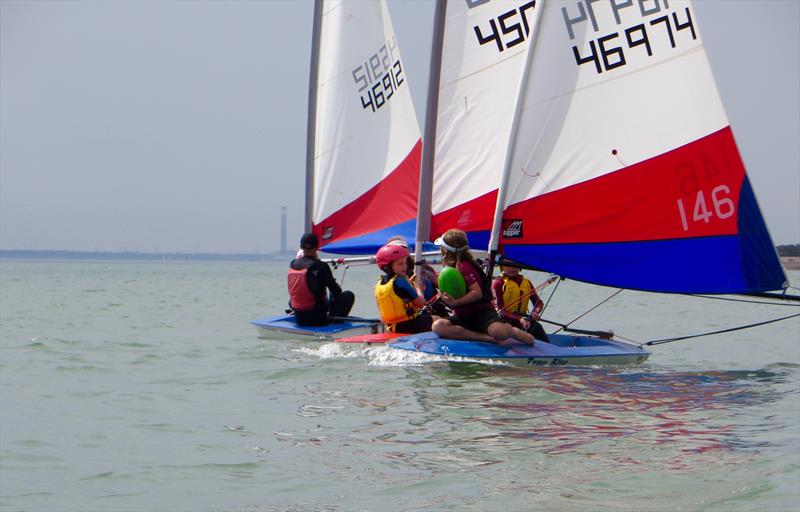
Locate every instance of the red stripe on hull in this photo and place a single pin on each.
(692, 191)
(474, 215)
(392, 201)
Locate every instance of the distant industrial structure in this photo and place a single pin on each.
(283, 230)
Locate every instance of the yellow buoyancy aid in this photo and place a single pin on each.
(391, 307)
(512, 292)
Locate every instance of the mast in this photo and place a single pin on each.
(311, 130)
(497, 225)
(429, 137)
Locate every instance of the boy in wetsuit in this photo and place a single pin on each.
(308, 280)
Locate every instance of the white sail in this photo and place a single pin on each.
(483, 54)
(367, 142)
(623, 169)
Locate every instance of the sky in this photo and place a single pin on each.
(179, 126)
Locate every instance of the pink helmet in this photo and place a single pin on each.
(389, 253)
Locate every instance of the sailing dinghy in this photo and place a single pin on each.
(620, 169)
(363, 147)
(284, 327)
(562, 350)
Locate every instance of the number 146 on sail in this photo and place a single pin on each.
(723, 207)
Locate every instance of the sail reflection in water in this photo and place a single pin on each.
(670, 419)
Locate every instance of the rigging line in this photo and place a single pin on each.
(629, 340)
(526, 296)
(669, 340)
(742, 300)
(551, 295)
(592, 309)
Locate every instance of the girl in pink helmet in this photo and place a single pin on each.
(399, 302)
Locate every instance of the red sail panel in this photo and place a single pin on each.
(474, 215)
(691, 191)
(391, 201)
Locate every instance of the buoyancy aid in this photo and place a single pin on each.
(301, 298)
(391, 308)
(516, 296)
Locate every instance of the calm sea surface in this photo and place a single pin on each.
(141, 386)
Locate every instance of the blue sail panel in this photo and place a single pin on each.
(369, 243)
(695, 265)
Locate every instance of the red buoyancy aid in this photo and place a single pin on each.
(300, 296)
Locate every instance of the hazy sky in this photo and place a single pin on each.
(180, 126)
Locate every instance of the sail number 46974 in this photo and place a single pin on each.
(722, 207)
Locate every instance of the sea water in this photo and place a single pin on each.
(142, 386)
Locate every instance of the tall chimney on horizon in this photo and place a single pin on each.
(283, 230)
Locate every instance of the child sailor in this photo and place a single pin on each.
(399, 302)
(474, 316)
(512, 291)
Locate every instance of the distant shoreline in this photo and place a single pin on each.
(788, 262)
(139, 256)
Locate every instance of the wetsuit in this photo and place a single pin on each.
(514, 291)
(319, 280)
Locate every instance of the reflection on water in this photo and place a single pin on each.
(461, 417)
(621, 412)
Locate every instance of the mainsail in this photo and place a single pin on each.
(366, 144)
(482, 57)
(623, 169)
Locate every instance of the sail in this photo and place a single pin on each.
(482, 56)
(367, 140)
(624, 170)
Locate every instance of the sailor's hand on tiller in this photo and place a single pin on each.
(447, 299)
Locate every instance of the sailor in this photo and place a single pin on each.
(309, 280)
(512, 291)
(399, 302)
(474, 317)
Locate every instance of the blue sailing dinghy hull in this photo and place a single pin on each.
(285, 328)
(563, 350)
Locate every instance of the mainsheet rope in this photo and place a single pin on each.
(744, 300)
(669, 340)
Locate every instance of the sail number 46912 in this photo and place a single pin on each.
(380, 76)
(722, 207)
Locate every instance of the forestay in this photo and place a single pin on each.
(367, 140)
(482, 58)
(624, 170)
